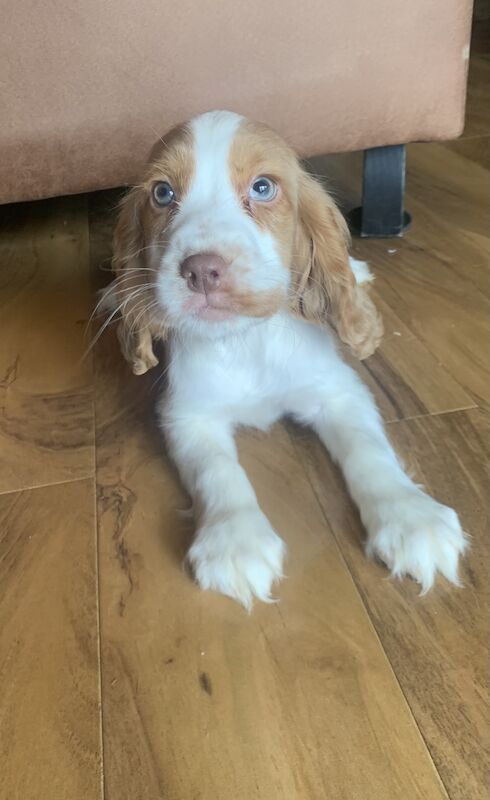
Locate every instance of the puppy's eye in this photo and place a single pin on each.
(163, 194)
(263, 189)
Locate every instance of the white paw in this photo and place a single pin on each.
(414, 535)
(240, 555)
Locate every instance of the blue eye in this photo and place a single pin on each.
(263, 189)
(163, 194)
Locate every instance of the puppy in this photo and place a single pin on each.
(234, 254)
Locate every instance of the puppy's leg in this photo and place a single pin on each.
(408, 530)
(235, 551)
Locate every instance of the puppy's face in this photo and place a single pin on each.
(227, 228)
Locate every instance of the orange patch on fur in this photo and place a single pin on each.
(139, 225)
(172, 160)
(258, 304)
(325, 289)
(255, 151)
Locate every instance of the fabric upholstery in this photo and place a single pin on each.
(87, 87)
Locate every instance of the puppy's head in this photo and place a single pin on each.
(227, 228)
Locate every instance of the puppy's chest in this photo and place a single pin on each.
(254, 399)
(245, 387)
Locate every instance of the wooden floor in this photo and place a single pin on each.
(118, 677)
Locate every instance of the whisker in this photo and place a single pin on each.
(111, 292)
(105, 325)
(132, 269)
(134, 253)
(146, 309)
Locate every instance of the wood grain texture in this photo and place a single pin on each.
(46, 408)
(440, 303)
(475, 148)
(478, 96)
(437, 644)
(480, 33)
(49, 667)
(448, 196)
(296, 700)
(403, 375)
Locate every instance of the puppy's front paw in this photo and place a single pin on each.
(240, 555)
(414, 535)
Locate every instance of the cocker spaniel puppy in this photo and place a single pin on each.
(231, 252)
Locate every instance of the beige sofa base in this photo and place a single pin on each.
(88, 87)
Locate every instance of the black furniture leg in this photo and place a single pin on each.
(382, 214)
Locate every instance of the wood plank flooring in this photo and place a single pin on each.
(49, 644)
(438, 644)
(119, 679)
(46, 406)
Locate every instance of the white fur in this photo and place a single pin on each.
(211, 219)
(279, 366)
(361, 271)
(249, 372)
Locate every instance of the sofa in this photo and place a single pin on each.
(86, 88)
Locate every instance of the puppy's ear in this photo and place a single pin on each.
(128, 237)
(326, 287)
(129, 292)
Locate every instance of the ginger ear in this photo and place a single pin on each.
(127, 292)
(327, 290)
(137, 348)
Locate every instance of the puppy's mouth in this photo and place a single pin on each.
(214, 314)
(213, 306)
(221, 306)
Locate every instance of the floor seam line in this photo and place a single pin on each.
(35, 486)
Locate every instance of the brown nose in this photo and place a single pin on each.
(203, 271)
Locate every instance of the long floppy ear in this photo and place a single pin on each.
(327, 290)
(128, 293)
